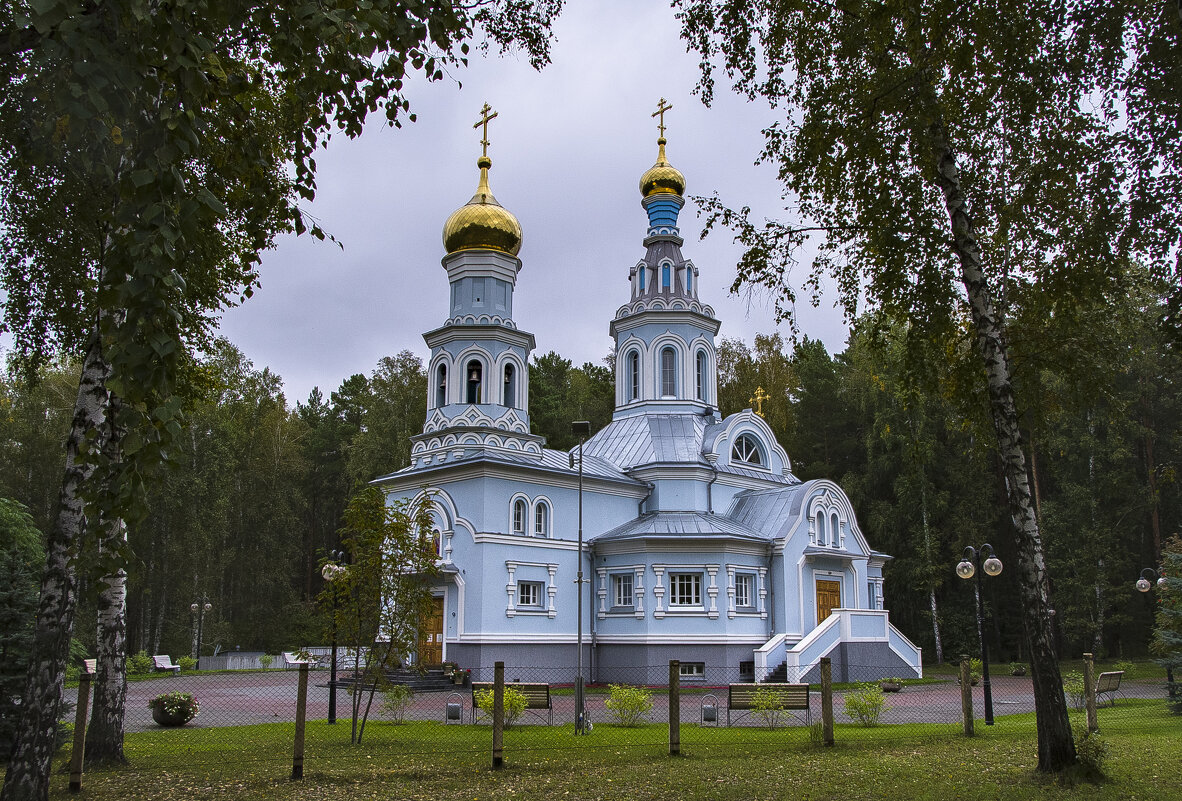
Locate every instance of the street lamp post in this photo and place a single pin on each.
(1144, 584)
(199, 609)
(580, 428)
(331, 571)
(972, 565)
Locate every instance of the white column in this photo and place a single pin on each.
(730, 591)
(659, 592)
(602, 571)
(551, 591)
(511, 590)
(763, 592)
(638, 592)
(712, 591)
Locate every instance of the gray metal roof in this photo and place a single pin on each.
(648, 439)
(697, 525)
(769, 510)
(762, 475)
(551, 461)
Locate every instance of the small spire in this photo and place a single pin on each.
(485, 118)
(662, 107)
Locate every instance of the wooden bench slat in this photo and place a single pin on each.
(537, 696)
(741, 697)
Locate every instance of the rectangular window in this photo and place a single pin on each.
(622, 586)
(685, 589)
(692, 671)
(529, 593)
(744, 589)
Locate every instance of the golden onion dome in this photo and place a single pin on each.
(482, 223)
(662, 176)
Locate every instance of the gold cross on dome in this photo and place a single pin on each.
(485, 117)
(757, 400)
(662, 107)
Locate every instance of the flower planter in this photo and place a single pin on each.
(891, 686)
(170, 720)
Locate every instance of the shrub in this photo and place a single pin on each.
(514, 702)
(187, 662)
(628, 705)
(766, 706)
(265, 660)
(817, 733)
(866, 704)
(181, 705)
(396, 700)
(139, 664)
(1092, 751)
(1074, 688)
(1128, 667)
(1017, 668)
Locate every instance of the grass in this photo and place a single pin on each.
(446, 763)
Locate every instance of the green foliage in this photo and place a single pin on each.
(396, 699)
(629, 705)
(560, 393)
(1075, 688)
(176, 704)
(139, 664)
(1018, 668)
(186, 663)
(266, 660)
(513, 701)
(1092, 751)
(1167, 634)
(766, 706)
(21, 556)
(866, 704)
(817, 734)
(1129, 668)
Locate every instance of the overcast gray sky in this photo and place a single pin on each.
(568, 147)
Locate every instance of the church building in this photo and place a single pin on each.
(698, 542)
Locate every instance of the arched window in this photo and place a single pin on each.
(701, 373)
(668, 373)
(666, 277)
(834, 531)
(510, 387)
(541, 520)
(746, 449)
(519, 514)
(820, 528)
(437, 542)
(441, 387)
(642, 271)
(475, 372)
(633, 376)
(689, 280)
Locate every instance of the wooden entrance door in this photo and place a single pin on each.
(431, 641)
(828, 598)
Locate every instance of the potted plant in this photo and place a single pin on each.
(892, 684)
(1017, 669)
(174, 709)
(460, 676)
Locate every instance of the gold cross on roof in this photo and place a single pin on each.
(485, 117)
(662, 107)
(757, 400)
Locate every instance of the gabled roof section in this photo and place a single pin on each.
(647, 439)
(695, 525)
(552, 462)
(772, 511)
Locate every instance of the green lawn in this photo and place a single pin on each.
(432, 761)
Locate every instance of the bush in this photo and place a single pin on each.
(1017, 668)
(181, 705)
(187, 662)
(628, 705)
(1128, 667)
(140, 664)
(265, 660)
(1075, 689)
(514, 702)
(817, 733)
(866, 704)
(396, 700)
(1092, 751)
(766, 706)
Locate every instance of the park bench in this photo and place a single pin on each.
(164, 662)
(741, 698)
(90, 666)
(537, 697)
(290, 660)
(1108, 684)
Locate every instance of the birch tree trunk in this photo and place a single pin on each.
(104, 736)
(29, 767)
(1056, 748)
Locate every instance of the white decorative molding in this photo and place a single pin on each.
(659, 592)
(551, 591)
(602, 592)
(763, 592)
(730, 592)
(511, 590)
(712, 591)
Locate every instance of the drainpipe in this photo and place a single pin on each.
(771, 590)
(594, 617)
(710, 489)
(640, 506)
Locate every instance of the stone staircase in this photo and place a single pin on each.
(779, 675)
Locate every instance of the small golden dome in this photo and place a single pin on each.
(482, 223)
(662, 176)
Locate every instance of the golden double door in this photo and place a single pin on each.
(828, 598)
(431, 639)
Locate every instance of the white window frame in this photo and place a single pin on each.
(692, 671)
(543, 520)
(679, 583)
(619, 581)
(530, 594)
(745, 584)
(744, 456)
(667, 375)
(517, 526)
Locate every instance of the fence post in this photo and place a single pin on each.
(1090, 691)
(966, 696)
(498, 756)
(78, 754)
(674, 707)
(827, 699)
(297, 760)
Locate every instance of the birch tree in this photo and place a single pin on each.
(934, 153)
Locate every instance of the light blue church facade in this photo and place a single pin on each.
(699, 542)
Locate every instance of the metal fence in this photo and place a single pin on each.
(243, 715)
